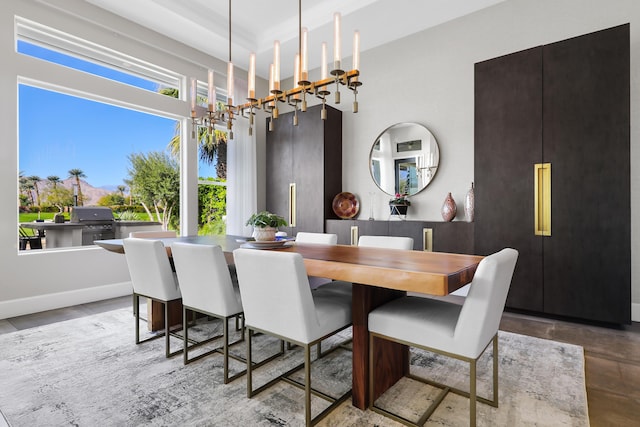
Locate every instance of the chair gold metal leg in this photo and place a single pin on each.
(371, 364)
(225, 356)
(167, 333)
(472, 393)
(249, 363)
(495, 371)
(166, 330)
(308, 389)
(185, 333)
(136, 299)
(137, 323)
(307, 385)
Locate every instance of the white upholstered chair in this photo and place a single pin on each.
(207, 288)
(278, 301)
(319, 238)
(158, 234)
(304, 237)
(151, 277)
(463, 332)
(389, 242)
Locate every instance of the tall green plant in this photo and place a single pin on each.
(212, 207)
(154, 181)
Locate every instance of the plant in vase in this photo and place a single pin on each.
(265, 225)
(399, 204)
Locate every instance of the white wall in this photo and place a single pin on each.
(428, 78)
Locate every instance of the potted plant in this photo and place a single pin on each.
(399, 204)
(265, 225)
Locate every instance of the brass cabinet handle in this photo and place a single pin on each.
(542, 199)
(354, 235)
(292, 204)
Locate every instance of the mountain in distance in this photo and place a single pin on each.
(90, 194)
(110, 188)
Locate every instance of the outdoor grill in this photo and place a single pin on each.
(98, 223)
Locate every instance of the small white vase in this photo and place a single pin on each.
(266, 234)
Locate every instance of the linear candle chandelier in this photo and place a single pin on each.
(296, 96)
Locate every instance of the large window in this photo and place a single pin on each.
(87, 153)
(78, 151)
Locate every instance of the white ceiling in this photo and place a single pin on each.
(255, 24)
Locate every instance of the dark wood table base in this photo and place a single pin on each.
(155, 314)
(392, 358)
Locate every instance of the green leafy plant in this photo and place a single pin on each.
(266, 219)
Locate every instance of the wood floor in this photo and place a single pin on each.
(612, 364)
(612, 355)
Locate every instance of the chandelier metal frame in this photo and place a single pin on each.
(295, 97)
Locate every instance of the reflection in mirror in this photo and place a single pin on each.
(404, 159)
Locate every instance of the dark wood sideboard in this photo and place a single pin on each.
(453, 237)
(565, 104)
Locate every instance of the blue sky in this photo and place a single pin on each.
(59, 132)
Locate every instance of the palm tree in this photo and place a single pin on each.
(25, 195)
(77, 174)
(35, 179)
(121, 189)
(53, 180)
(26, 185)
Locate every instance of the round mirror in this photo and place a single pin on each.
(404, 159)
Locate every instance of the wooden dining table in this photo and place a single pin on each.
(378, 276)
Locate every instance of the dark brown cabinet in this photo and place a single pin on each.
(304, 168)
(565, 104)
(453, 237)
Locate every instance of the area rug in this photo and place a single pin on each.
(89, 372)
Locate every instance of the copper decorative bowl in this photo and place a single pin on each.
(346, 205)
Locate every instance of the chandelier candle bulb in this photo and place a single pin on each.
(356, 53)
(304, 64)
(211, 92)
(276, 67)
(251, 84)
(193, 97)
(230, 84)
(296, 75)
(324, 74)
(337, 53)
(271, 82)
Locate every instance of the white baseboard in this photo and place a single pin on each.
(635, 312)
(22, 306)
